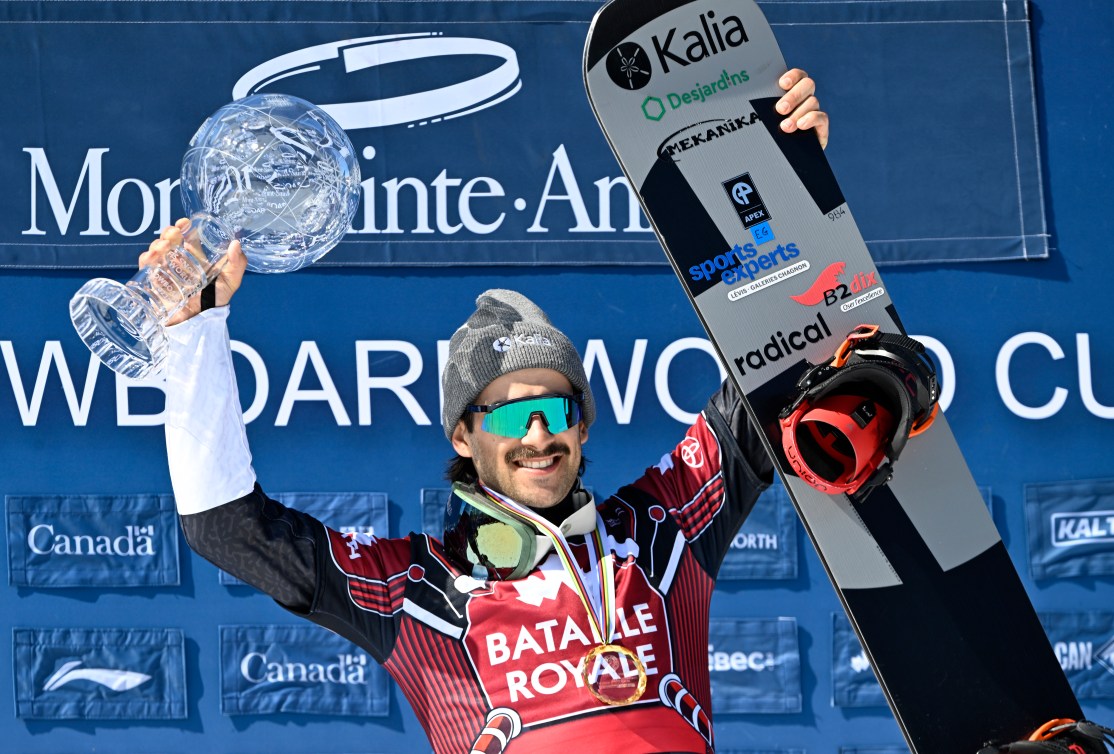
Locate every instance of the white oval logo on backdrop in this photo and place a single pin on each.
(431, 106)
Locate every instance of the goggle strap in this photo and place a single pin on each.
(526, 531)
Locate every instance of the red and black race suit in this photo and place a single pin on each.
(496, 666)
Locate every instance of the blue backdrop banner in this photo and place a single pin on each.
(339, 365)
(1071, 528)
(476, 142)
(99, 673)
(92, 540)
(304, 669)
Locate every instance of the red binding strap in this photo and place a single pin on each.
(843, 434)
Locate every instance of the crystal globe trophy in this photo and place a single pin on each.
(270, 170)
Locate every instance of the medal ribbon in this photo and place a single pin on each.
(603, 625)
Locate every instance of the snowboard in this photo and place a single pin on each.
(760, 236)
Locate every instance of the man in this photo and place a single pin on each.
(543, 622)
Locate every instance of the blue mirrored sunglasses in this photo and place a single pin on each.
(512, 418)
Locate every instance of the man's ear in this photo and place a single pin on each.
(461, 440)
(583, 432)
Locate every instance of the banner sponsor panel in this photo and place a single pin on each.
(1070, 528)
(853, 681)
(755, 665)
(99, 673)
(302, 669)
(100, 541)
(765, 546)
(1084, 645)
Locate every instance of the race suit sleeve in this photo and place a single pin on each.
(711, 479)
(225, 515)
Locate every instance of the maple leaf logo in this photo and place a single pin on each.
(544, 585)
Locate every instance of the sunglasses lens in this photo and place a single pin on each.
(513, 419)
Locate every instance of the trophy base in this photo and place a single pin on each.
(119, 327)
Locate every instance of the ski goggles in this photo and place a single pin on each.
(512, 418)
(487, 541)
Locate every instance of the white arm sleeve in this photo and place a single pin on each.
(206, 444)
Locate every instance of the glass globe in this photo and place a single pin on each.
(271, 170)
(279, 173)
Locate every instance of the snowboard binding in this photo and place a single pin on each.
(1059, 737)
(852, 416)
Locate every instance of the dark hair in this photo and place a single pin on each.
(461, 469)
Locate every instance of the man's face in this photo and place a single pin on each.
(537, 470)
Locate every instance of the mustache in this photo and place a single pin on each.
(525, 454)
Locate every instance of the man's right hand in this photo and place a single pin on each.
(228, 282)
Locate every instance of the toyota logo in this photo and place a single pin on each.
(691, 453)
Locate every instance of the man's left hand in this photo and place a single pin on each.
(800, 106)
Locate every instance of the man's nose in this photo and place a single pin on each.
(537, 429)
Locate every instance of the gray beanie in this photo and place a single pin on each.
(507, 332)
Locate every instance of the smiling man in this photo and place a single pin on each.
(540, 608)
(538, 468)
(543, 620)
(517, 403)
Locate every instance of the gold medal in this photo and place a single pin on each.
(614, 674)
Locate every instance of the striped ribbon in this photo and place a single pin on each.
(603, 623)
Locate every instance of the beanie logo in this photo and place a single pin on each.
(505, 343)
